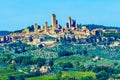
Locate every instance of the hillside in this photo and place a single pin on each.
(93, 57)
(94, 26)
(3, 33)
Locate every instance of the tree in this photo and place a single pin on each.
(11, 67)
(66, 65)
(40, 46)
(102, 75)
(11, 78)
(87, 78)
(4, 38)
(30, 39)
(59, 75)
(76, 64)
(74, 39)
(19, 59)
(51, 63)
(39, 61)
(84, 52)
(20, 77)
(82, 68)
(64, 53)
(23, 60)
(117, 69)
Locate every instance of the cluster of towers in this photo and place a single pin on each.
(71, 23)
(45, 26)
(37, 28)
(54, 25)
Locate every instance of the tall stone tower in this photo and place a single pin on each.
(57, 25)
(45, 27)
(69, 21)
(76, 26)
(53, 22)
(35, 27)
(73, 23)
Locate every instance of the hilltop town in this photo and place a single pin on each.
(55, 52)
(72, 32)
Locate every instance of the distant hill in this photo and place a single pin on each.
(94, 26)
(3, 33)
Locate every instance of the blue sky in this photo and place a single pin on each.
(18, 14)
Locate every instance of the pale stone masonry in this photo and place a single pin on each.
(36, 28)
(46, 27)
(53, 22)
(69, 21)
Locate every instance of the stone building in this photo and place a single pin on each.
(45, 69)
(27, 31)
(54, 26)
(69, 22)
(45, 27)
(36, 28)
(5, 39)
(73, 23)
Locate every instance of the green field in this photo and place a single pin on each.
(67, 74)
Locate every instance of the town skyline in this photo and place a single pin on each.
(59, 40)
(21, 14)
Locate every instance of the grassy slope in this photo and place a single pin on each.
(76, 74)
